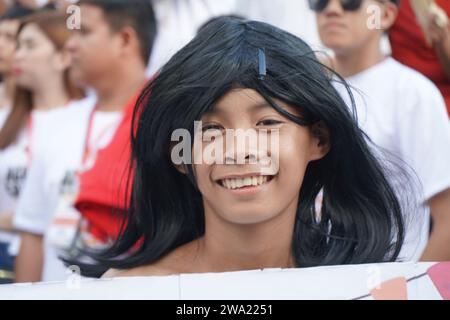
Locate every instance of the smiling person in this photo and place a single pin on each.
(399, 109)
(229, 215)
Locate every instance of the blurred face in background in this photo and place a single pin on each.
(8, 32)
(37, 59)
(342, 30)
(95, 48)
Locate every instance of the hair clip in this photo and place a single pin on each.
(262, 64)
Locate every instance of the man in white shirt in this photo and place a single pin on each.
(110, 54)
(399, 109)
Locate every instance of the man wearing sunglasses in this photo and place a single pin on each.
(400, 110)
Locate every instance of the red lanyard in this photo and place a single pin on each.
(87, 148)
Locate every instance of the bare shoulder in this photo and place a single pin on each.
(179, 261)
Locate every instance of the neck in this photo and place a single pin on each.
(229, 247)
(353, 61)
(50, 95)
(116, 89)
(7, 91)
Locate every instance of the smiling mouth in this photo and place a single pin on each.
(240, 183)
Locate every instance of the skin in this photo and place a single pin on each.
(105, 60)
(246, 228)
(357, 48)
(440, 41)
(39, 67)
(36, 58)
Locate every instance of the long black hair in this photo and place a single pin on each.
(361, 217)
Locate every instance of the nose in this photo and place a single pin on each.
(18, 55)
(245, 148)
(72, 43)
(333, 7)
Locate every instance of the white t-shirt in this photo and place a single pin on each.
(178, 23)
(404, 113)
(4, 112)
(293, 16)
(15, 160)
(55, 172)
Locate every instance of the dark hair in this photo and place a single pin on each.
(53, 24)
(361, 217)
(137, 14)
(16, 12)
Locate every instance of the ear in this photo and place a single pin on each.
(62, 60)
(320, 141)
(180, 167)
(389, 14)
(129, 39)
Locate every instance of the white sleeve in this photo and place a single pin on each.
(35, 205)
(424, 131)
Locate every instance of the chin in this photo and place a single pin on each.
(248, 217)
(334, 43)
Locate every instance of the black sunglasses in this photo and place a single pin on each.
(347, 5)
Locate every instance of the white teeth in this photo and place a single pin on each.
(245, 182)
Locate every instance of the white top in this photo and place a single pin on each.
(404, 113)
(14, 161)
(4, 112)
(293, 16)
(54, 173)
(179, 20)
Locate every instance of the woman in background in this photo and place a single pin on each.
(44, 87)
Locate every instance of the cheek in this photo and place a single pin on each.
(9, 50)
(38, 59)
(293, 159)
(361, 27)
(202, 176)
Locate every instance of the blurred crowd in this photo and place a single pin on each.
(68, 92)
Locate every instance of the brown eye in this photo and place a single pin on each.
(211, 128)
(268, 122)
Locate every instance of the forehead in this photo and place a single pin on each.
(32, 31)
(9, 26)
(92, 17)
(238, 101)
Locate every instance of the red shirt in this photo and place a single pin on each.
(102, 200)
(410, 48)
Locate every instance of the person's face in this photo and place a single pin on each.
(8, 32)
(342, 30)
(95, 48)
(36, 58)
(251, 192)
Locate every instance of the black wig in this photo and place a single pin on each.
(361, 217)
